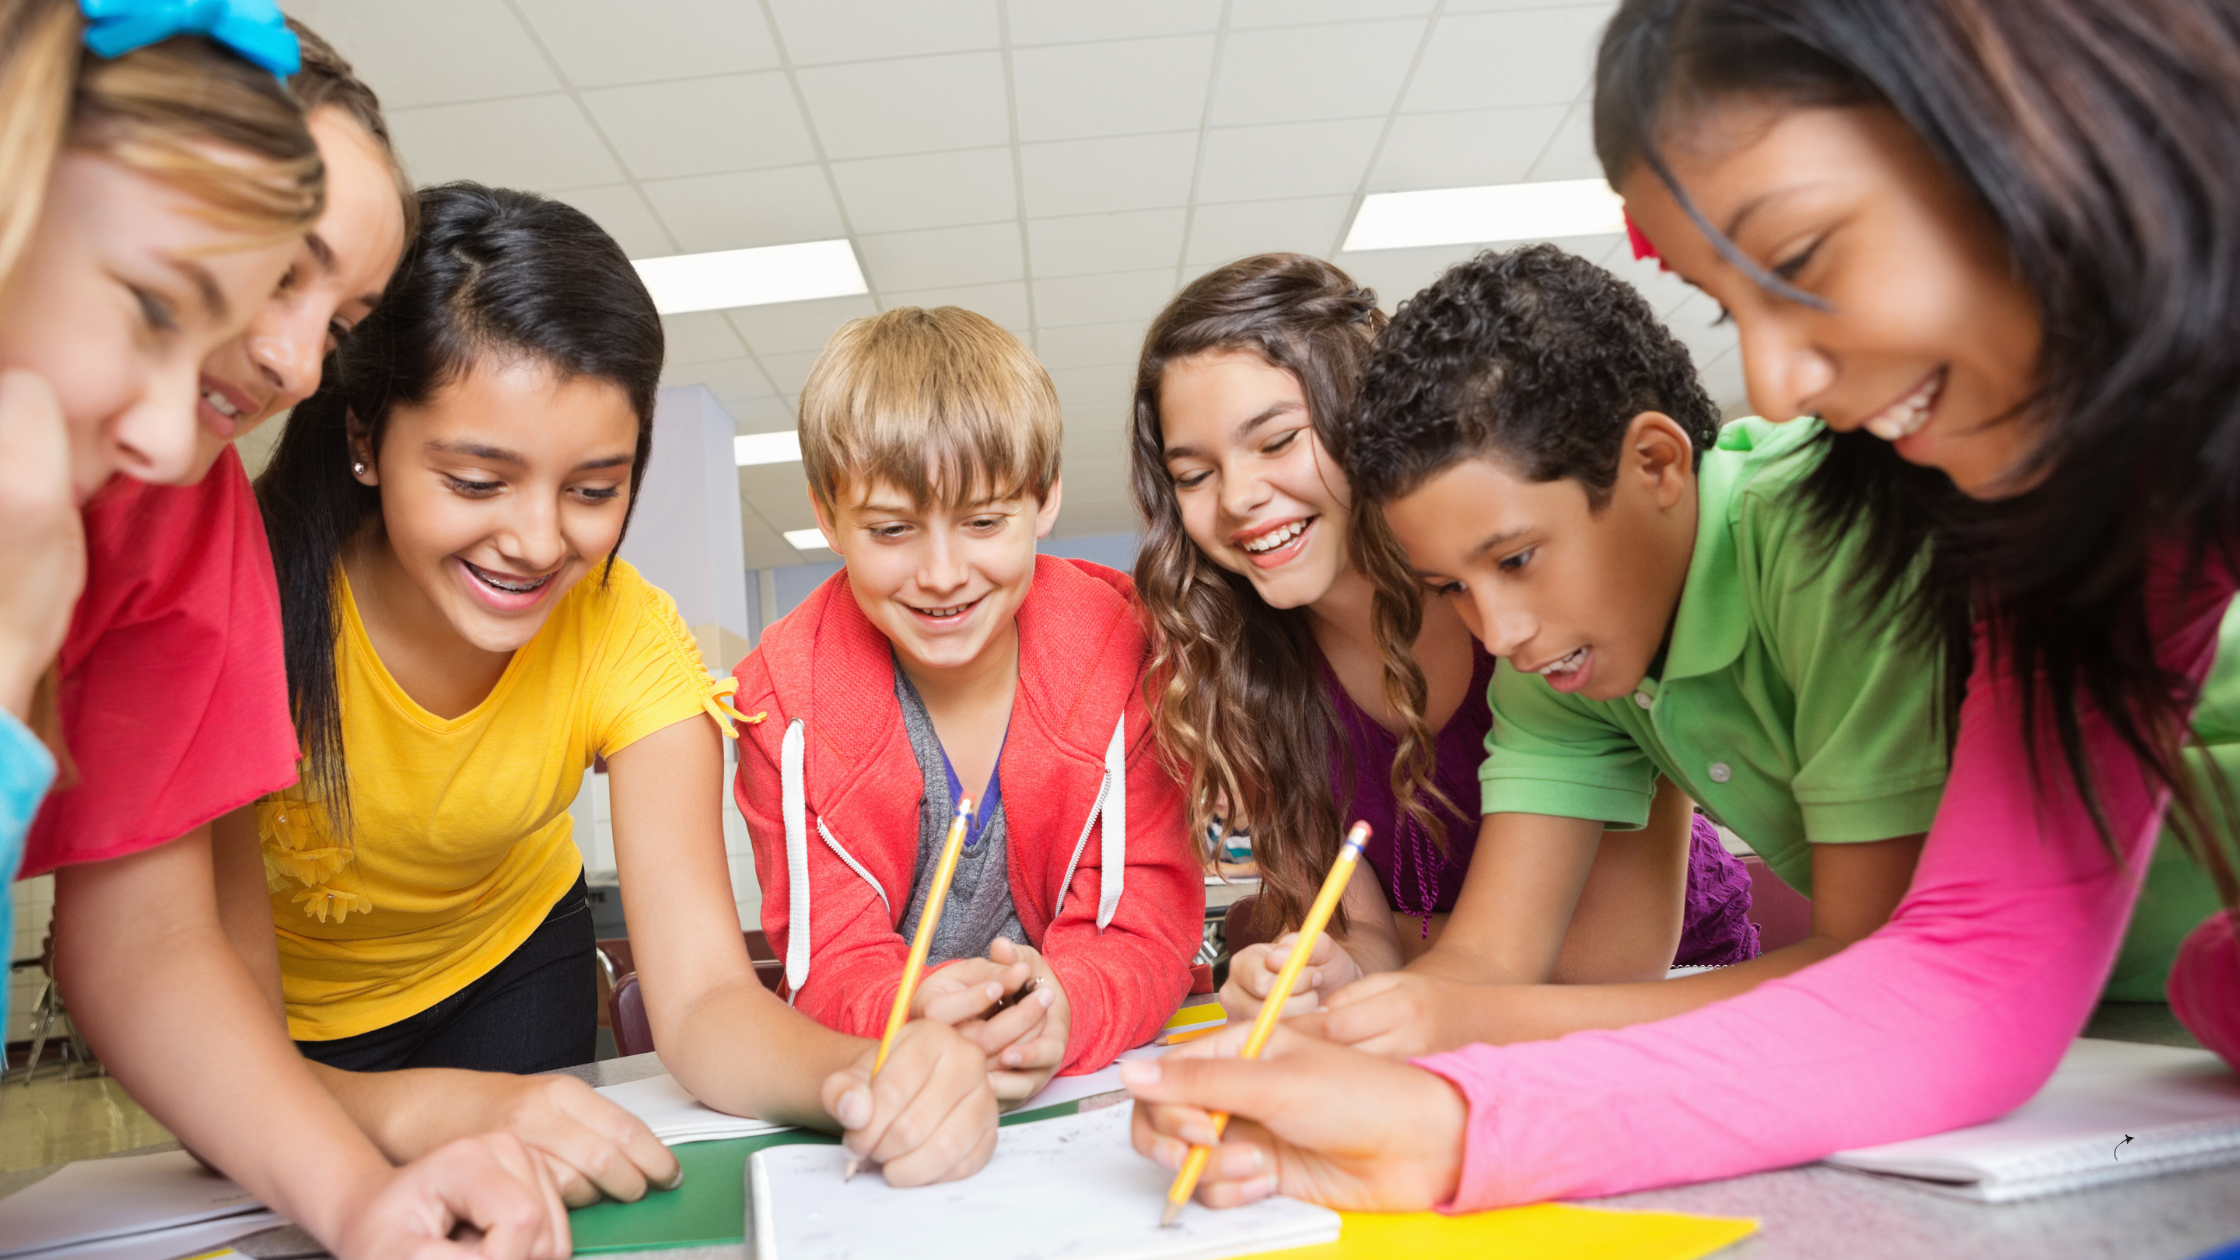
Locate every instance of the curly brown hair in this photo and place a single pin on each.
(1235, 685)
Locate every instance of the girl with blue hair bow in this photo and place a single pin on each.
(155, 180)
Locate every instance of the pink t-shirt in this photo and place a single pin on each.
(1954, 1012)
(174, 695)
(2205, 984)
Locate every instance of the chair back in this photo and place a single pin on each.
(626, 1018)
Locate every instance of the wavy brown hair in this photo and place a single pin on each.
(1235, 686)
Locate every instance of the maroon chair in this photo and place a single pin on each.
(1783, 915)
(626, 1005)
(1241, 928)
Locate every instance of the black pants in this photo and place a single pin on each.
(536, 1011)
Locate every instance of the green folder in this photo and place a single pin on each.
(711, 1206)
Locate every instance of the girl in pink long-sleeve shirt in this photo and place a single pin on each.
(1975, 237)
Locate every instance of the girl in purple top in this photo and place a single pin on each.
(1273, 695)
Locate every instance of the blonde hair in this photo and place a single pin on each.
(185, 112)
(942, 404)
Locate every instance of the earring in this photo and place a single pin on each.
(358, 469)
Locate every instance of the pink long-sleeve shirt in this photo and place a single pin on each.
(1955, 1012)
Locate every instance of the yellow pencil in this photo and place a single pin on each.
(936, 897)
(1264, 1027)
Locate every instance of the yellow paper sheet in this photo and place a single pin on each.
(1546, 1231)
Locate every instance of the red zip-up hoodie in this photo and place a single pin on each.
(831, 789)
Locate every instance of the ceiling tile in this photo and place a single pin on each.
(627, 218)
(919, 105)
(1091, 345)
(764, 413)
(534, 142)
(598, 42)
(828, 30)
(1112, 88)
(1088, 243)
(1086, 517)
(1064, 21)
(1398, 274)
(1500, 60)
(1005, 303)
(700, 337)
(942, 256)
(787, 371)
(1463, 149)
(1570, 154)
(432, 52)
(740, 377)
(1302, 225)
(1246, 14)
(792, 327)
(927, 190)
(747, 208)
(1093, 176)
(1125, 295)
(1722, 379)
(1353, 70)
(1286, 160)
(1606, 7)
(736, 122)
(1096, 401)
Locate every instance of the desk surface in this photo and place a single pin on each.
(1820, 1213)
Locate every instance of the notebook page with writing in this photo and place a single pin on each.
(2113, 1111)
(1070, 1187)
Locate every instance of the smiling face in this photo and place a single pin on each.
(1259, 495)
(501, 493)
(122, 292)
(1929, 340)
(1580, 595)
(334, 280)
(944, 584)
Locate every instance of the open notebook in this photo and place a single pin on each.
(1070, 1187)
(2113, 1111)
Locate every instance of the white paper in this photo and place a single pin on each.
(1070, 1187)
(2113, 1111)
(110, 1198)
(166, 1244)
(1065, 1089)
(676, 1117)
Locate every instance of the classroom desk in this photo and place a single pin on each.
(1819, 1213)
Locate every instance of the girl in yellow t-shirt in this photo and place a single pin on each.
(461, 641)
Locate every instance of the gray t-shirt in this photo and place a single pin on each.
(979, 908)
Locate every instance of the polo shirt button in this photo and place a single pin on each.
(1643, 699)
(1721, 772)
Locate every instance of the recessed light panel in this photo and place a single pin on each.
(1499, 212)
(807, 539)
(682, 283)
(782, 447)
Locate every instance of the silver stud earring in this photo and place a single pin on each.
(358, 469)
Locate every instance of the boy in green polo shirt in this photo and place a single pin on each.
(1663, 603)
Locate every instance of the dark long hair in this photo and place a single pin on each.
(2103, 138)
(1235, 685)
(492, 272)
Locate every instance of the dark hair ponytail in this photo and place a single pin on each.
(492, 272)
(2099, 136)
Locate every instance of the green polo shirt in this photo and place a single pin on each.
(1792, 718)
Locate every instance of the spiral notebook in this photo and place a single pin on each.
(2114, 1111)
(1070, 1187)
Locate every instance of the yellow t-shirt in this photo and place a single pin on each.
(461, 838)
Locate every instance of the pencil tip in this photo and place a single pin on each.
(1166, 1218)
(855, 1165)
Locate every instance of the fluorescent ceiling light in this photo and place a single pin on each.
(807, 539)
(752, 277)
(782, 447)
(1500, 212)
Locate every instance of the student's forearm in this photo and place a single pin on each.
(162, 998)
(1503, 1014)
(748, 1054)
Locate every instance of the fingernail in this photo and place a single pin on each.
(676, 1179)
(1012, 1058)
(995, 991)
(1242, 1162)
(1199, 1135)
(1140, 1072)
(1046, 997)
(1257, 1188)
(854, 1109)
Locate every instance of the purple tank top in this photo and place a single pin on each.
(1420, 880)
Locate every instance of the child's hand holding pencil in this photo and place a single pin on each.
(927, 1115)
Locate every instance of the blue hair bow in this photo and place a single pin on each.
(252, 28)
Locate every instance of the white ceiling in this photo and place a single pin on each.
(1062, 166)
